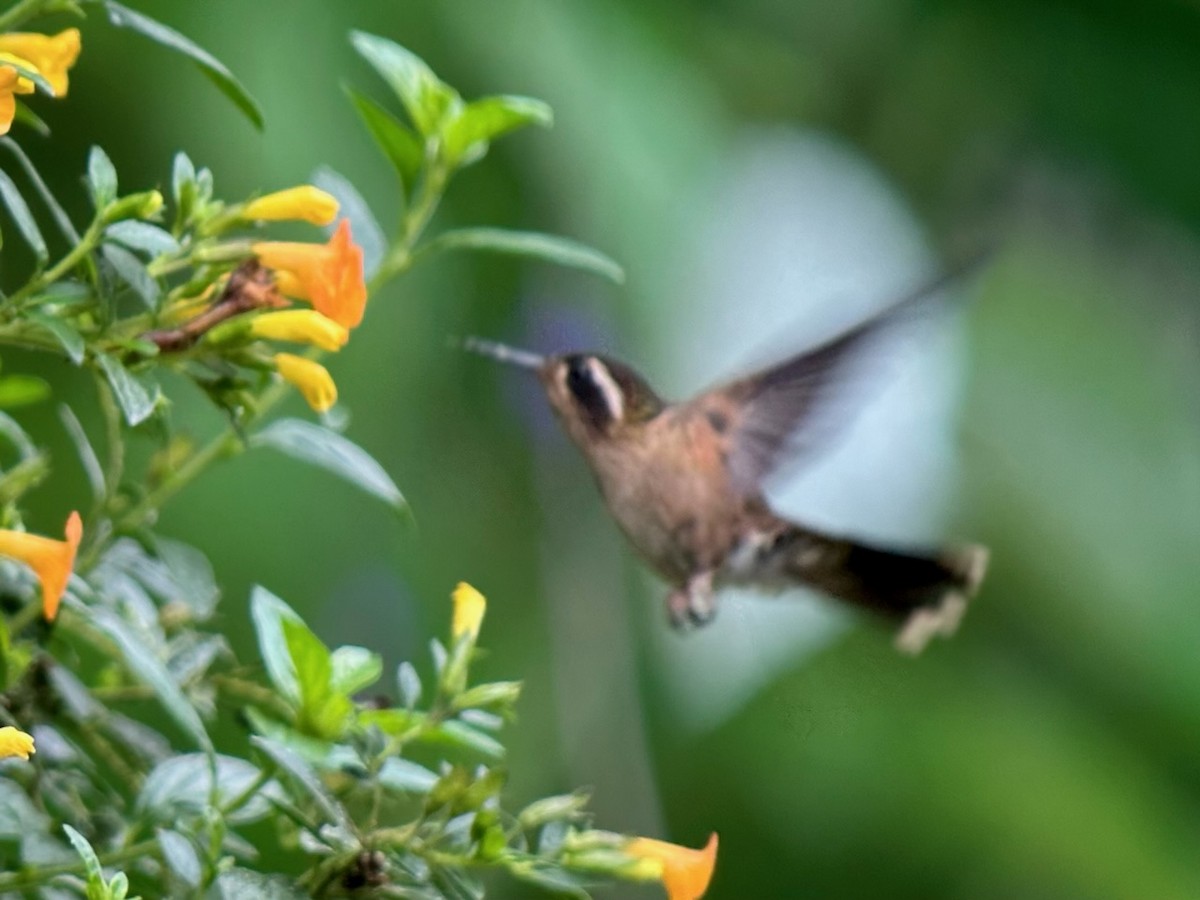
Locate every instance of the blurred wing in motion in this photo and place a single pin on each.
(794, 407)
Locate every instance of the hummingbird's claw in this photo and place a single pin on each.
(693, 606)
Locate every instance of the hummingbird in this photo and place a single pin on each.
(684, 482)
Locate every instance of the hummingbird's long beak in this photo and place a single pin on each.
(503, 353)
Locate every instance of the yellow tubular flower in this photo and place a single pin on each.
(469, 607)
(310, 378)
(330, 276)
(51, 55)
(305, 203)
(50, 560)
(685, 873)
(300, 326)
(15, 742)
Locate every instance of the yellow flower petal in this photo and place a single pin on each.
(469, 607)
(305, 203)
(50, 55)
(310, 378)
(300, 326)
(330, 276)
(50, 560)
(684, 872)
(15, 742)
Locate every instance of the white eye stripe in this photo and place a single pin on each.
(613, 398)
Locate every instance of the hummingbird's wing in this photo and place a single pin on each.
(784, 410)
(793, 407)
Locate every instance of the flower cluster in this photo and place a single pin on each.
(47, 56)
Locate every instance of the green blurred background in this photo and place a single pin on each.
(750, 163)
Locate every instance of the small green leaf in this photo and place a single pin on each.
(402, 148)
(131, 271)
(495, 693)
(363, 225)
(301, 774)
(269, 613)
(458, 734)
(101, 177)
(409, 684)
(213, 68)
(244, 884)
(83, 447)
(480, 122)
(182, 786)
(425, 97)
(398, 774)
(26, 224)
(91, 863)
(149, 239)
(150, 669)
(323, 711)
(354, 668)
(61, 219)
(70, 339)
(552, 809)
(548, 247)
(26, 116)
(22, 390)
(134, 400)
(329, 450)
(181, 857)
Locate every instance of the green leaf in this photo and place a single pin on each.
(302, 775)
(101, 178)
(22, 390)
(131, 271)
(467, 135)
(269, 613)
(192, 574)
(399, 144)
(181, 857)
(134, 400)
(26, 116)
(398, 774)
(425, 97)
(83, 447)
(556, 881)
(18, 815)
(150, 669)
(552, 809)
(323, 710)
(243, 884)
(213, 68)
(182, 786)
(458, 734)
(327, 449)
(70, 339)
(61, 219)
(548, 247)
(23, 218)
(33, 75)
(354, 668)
(409, 684)
(363, 225)
(149, 239)
(91, 863)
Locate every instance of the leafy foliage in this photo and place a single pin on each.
(128, 791)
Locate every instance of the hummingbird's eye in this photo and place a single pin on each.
(594, 390)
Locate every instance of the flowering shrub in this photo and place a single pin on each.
(111, 667)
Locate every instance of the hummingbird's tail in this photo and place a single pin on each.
(928, 591)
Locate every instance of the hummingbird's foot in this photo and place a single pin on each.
(694, 605)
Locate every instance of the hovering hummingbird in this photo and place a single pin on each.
(684, 482)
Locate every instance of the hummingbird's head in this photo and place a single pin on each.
(594, 397)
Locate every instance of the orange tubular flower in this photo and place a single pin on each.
(300, 326)
(684, 872)
(50, 560)
(330, 276)
(11, 83)
(469, 607)
(304, 203)
(50, 55)
(15, 742)
(310, 378)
